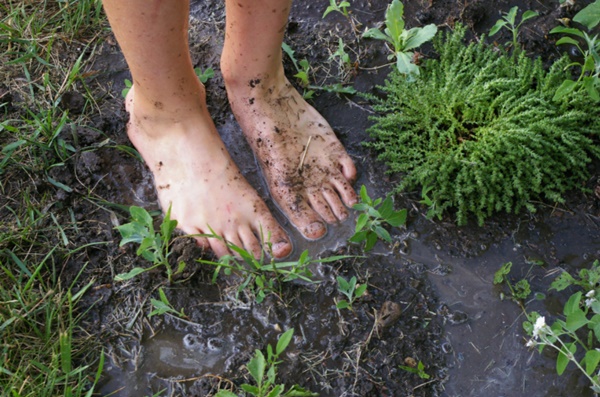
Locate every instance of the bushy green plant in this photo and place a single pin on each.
(481, 131)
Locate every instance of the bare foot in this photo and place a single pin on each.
(195, 175)
(308, 171)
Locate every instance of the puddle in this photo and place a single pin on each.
(487, 350)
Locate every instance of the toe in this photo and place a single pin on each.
(348, 168)
(267, 229)
(250, 242)
(345, 190)
(219, 247)
(322, 206)
(336, 205)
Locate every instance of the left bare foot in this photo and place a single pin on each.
(308, 171)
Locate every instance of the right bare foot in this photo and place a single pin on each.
(197, 178)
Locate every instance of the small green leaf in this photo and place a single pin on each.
(256, 366)
(139, 214)
(342, 304)
(394, 20)
(563, 281)
(361, 222)
(500, 275)
(284, 341)
(592, 358)
(360, 290)
(383, 234)
(511, 16)
(567, 40)
(386, 209)
(528, 15)
(405, 65)
(343, 284)
(573, 31)
(499, 24)
(371, 240)
(572, 304)
(364, 196)
(359, 237)
(563, 360)
(131, 274)
(225, 393)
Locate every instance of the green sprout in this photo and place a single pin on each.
(206, 75)
(341, 7)
(508, 21)
(350, 290)
(419, 370)
(154, 246)
(376, 213)
(401, 39)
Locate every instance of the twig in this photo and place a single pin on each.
(304, 154)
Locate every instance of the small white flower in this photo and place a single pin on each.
(530, 343)
(588, 302)
(591, 293)
(540, 323)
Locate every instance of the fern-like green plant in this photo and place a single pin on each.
(480, 130)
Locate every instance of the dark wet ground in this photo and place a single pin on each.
(452, 319)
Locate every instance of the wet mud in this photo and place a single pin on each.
(430, 294)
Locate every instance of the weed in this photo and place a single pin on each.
(350, 290)
(209, 73)
(520, 291)
(128, 85)
(577, 337)
(419, 370)
(154, 246)
(263, 371)
(589, 76)
(341, 7)
(342, 55)
(401, 39)
(163, 306)
(369, 224)
(508, 21)
(258, 273)
(303, 70)
(482, 132)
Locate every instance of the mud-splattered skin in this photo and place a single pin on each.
(307, 169)
(195, 175)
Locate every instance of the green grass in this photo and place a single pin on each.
(45, 47)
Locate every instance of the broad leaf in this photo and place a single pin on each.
(387, 207)
(405, 65)
(139, 214)
(394, 21)
(576, 320)
(398, 218)
(567, 40)
(420, 36)
(573, 31)
(589, 16)
(361, 222)
(562, 360)
(511, 16)
(256, 367)
(371, 240)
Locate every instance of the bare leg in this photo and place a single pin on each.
(171, 128)
(307, 169)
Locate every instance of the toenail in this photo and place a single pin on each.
(315, 230)
(281, 247)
